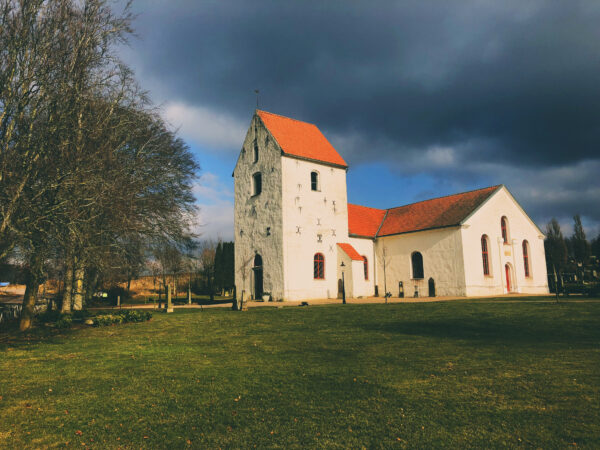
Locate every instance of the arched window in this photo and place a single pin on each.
(526, 258)
(485, 255)
(314, 181)
(255, 150)
(319, 266)
(417, 265)
(504, 226)
(366, 267)
(256, 183)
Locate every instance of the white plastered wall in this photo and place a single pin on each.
(486, 220)
(442, 261)
(362, 287)
(348, 270)
(307, 215)
(254, 214)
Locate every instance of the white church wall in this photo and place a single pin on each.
(348, 272)
(442, 261)
(364, 287)
(486, 220)
(313, 221)
(258, 219)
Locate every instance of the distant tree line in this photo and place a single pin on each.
(92, 181)
(571, 259)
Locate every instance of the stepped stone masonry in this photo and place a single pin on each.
(296, 233)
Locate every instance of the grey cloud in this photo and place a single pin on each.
(511, 84)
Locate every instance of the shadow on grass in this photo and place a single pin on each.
(12, 338)
(498, 330)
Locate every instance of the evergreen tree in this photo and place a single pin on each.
(596, 246)
(581, 246)
(555, 246)
(229, 265)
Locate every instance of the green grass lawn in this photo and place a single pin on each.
(453, 374)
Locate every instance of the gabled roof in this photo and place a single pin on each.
(350, 251)
(301, 139)
(440, 212)
(364, 221)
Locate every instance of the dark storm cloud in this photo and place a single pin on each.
(522, 80)
(447, 87)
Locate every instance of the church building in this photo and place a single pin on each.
(298, 238)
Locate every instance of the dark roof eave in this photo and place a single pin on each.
(326, 163)
(419, 230)
(361, 236)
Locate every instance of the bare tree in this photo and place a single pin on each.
(86, 165)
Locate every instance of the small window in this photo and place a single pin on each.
(255, 150)
(319, 266)
(366, 267)
(526, 258)
(417, 265)
(504, 227)
(485, 255)
(314, 181)
(256, 183)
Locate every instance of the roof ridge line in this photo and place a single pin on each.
(286, 117)
(382, 222)
(369, 207)
(446, 196)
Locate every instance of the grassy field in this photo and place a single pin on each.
(454, 374)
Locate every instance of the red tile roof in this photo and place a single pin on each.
(301, 139)
(350, 251)
(435, 213)
(364, 221)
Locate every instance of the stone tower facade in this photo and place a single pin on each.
(288, 208)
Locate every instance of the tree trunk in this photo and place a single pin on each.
(78, 285)
(32, 286)
(68, 295)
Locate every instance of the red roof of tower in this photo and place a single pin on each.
(364, 221)
(350, 251)
(301, 139)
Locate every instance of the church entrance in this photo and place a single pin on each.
(431, 287)
(258, 277)
(508, 280)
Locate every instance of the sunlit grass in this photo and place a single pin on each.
(419, 375)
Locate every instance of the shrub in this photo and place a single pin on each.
(50, 316)
(122, 317)
(64, 322)
(81, 315)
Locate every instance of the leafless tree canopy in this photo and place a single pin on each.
(88, 169)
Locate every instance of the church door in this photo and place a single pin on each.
(258, 277)
(431, 287)
(508, 284)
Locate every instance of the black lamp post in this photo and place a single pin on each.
(343, 284)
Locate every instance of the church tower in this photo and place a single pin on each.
(290, 211)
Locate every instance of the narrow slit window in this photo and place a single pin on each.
(314, 181)
(485, 255)
(257, 183)
(526, 258)
(366, 267)
(504, 227)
